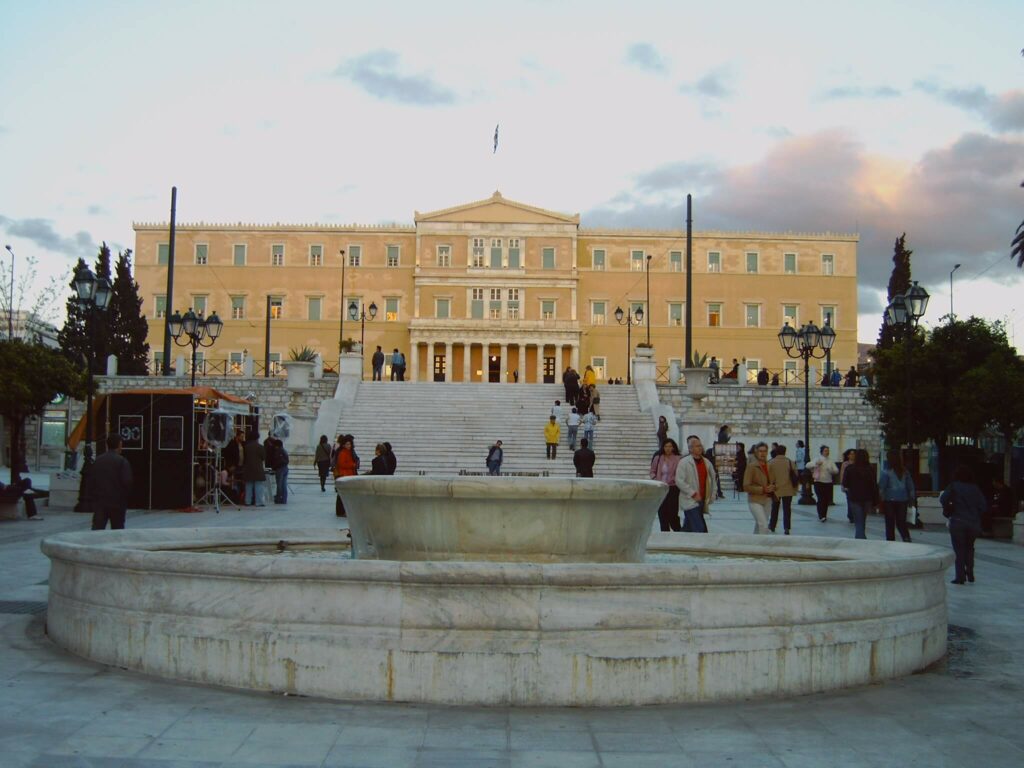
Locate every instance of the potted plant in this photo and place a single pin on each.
(643, 349)
(299, 367)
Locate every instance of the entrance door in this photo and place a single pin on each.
(549, 370)
(494, 369)
(439, 367)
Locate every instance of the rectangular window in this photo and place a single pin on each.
(547, 309)
(789, 371)
(477, 304)
(675, 261)
(675, 314)
(494, 308)
(598, 313)
(355, 255)
(496, 253)
(599, 259)
(789, 263)
(753, 313)
(163, 251)
(276, 308)
(828, 264)
(828, 315)
(277, 255)
(238, 307)
(753, 368)
(199, 305)
(442, 308)
(714, 315)
(275, 364)
(548, 258)
(513, 304)
(634, 306)
(714, 261)
(235, 361)
(513, 253)
(444, 255)
(790, 315)
(313, 307)
(478, 252)
(391, 310)
(239, 255)
(316, 255)
(158, 362)
(636, 261)
(393, 256)
(202, 254)
(599, 364)
(752, 263)
(159, 306)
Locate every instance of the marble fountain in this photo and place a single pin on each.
(499, 591)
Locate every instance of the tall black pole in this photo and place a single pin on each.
(828, 352)
(910, 402)
(629, 346)
(194, 362)
(805, 493)
(648, 299)
(341, 323)
(266, 344)
(10, 305)
(689, 281)
(169, 304)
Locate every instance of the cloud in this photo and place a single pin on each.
(41, 233)
(1003, 112)
(646, 56)
(96, 210)
(377, 73)
(712, 85)
(857, 92)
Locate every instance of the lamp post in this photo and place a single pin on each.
(629, 321)
(93, 297)
(648, 299)
(197, 332)
(10, 306)
(904, 313)
(341, 304)
(806, 343)
(951, 316)
(355, 313)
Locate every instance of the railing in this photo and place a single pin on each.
(227, 368)
(786, 377)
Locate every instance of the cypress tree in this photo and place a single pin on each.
(128, 326)
(899, 282)
(73, 339)
(101, 321)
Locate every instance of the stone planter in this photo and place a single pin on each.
(697, 383)
(298, 374)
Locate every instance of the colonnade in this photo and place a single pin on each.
(471, 360)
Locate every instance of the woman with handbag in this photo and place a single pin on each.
(962, 503)
(897, 489)
(861, 490)
(663, 468)
(759, 488)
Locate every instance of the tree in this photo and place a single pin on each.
(86, 335)
(899, 282)
(1017, 246)
(73, 337)
(128, 327)
(33, 376)
(28, 296)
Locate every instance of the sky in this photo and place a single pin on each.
(874, 118)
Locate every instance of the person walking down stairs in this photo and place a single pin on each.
(322, 460)
(552, 433)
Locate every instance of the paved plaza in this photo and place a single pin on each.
(58, 710)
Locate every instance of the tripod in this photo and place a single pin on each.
(213, 487)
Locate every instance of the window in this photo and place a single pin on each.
(789, 263)
(276, 308)
(478, 252)
(789, 371)
(275, 363)
(477, 304)
(828, 264)
(355, 255)
(162, 253)
(513, 303)
(494, 308)
(599, 364)
(202, 254)
(239, 255)
(751, 263)
(753, 368)
(714, 261)
(790, 315)
(238, 307)
(548, 258)
(235, 360)
(675, 314)
(442, 308)
(714, 315)
(444, 256)
(598, 312)
(158, 362)
(496, 253)
(391, 310)
(547, 309)
(394, 255)
(753, 313)
(675, 261)
(277, 255)
(828, 315)
(599, 259)
(314, 305)
(159, 306)
(316, 255)
(514, 252)
(636, 261)
(199, 305)
(634, 306)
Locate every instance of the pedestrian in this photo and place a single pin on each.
(573, 390)
(698, 486)
(663, 468)
(823, 473)
(583, 400)
(782, 474)
(740, 469)
(552, 432)
(572, 421)
(495, 455)
(589, 377)
(837, 377)
(763, 377)
(280, 472)
(322, 460)
(775, 379)
(734, 372)
(270, 484)
(662, 432)
(759, 488)
(378, 364)
(896, 488)
(556, 410)
(595, 403)
(851, 377)
(861, 489)
(346, 465)
(589, 423)
(584, 459)
(963, 504)
(716, 370)
(401, 366)
(379, 465)
(108, 485)
(389, 456)
(396, 362)
(515, 375)
(724, 433)
(774, 451)
(801, 454)
(848, 455)
(254, 471)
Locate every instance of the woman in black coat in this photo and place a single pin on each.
(966, 503)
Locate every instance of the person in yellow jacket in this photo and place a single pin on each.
(589, 377)
(551, 434)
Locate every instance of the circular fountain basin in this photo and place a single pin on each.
(802, 615)
(507, 519)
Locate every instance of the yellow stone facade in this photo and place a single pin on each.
(496, 290)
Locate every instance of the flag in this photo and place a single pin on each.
(496, 138)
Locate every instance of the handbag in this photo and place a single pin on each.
(947, 507)
(793, 478)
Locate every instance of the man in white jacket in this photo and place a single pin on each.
(697, 484)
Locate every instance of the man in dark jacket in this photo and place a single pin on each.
(584, 460)
(378, 364)
(280, 466)
(107, 486)
(253, 472)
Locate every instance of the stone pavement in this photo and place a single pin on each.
(57, 710)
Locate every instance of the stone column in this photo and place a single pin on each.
(414, 361)
(447, 361)
(521, 363)
(467, 350)
(574, 356)
(504, 361)
(540, 363)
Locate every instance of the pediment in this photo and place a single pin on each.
(497, 210)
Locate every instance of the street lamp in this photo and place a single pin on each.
(197, 332)
(649, 299)
(10, 305)
(355, 313)
(806, 344)
(629, 321)
(341, 305)
(951, 318)
(93, 298)
(903, 314)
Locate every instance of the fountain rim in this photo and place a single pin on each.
(509, 488)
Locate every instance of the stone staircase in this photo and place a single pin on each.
(445, 428)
